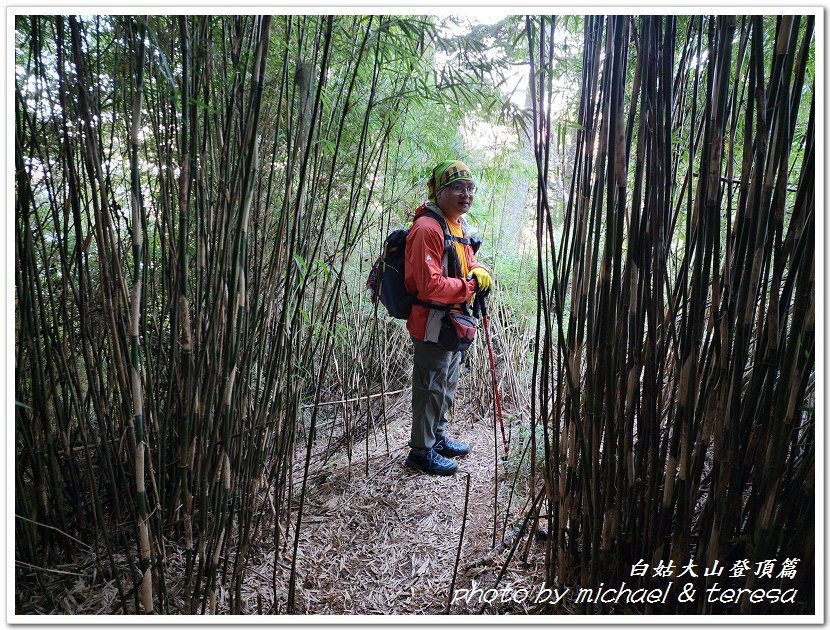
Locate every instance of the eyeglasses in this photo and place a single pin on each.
(458, 189)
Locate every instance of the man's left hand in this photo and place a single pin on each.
(483, 280)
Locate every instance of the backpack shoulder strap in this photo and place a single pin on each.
(443, 223)
(453, 266)
(438, 217)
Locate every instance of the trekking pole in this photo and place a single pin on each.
(480, 302)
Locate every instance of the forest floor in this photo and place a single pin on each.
(385, 542)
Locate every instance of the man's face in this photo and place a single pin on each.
(456, 198)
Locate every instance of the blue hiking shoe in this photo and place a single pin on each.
(432, 463)
(448, 448)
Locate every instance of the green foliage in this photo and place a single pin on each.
(520, 454)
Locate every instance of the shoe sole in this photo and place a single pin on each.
(453, 456)
(442, 473)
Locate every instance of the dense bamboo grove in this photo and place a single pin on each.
(197, 199)
(675, 370)
(181, 309)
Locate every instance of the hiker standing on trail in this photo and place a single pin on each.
(440, 270)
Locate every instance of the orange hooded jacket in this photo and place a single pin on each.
(424, 275)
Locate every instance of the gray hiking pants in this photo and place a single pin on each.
(434, 380)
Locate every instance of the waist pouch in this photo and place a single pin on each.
(457, 332)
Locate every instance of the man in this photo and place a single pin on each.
(435, 371)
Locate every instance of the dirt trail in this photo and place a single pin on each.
(386, 543)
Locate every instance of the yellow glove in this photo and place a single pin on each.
(483, 280)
